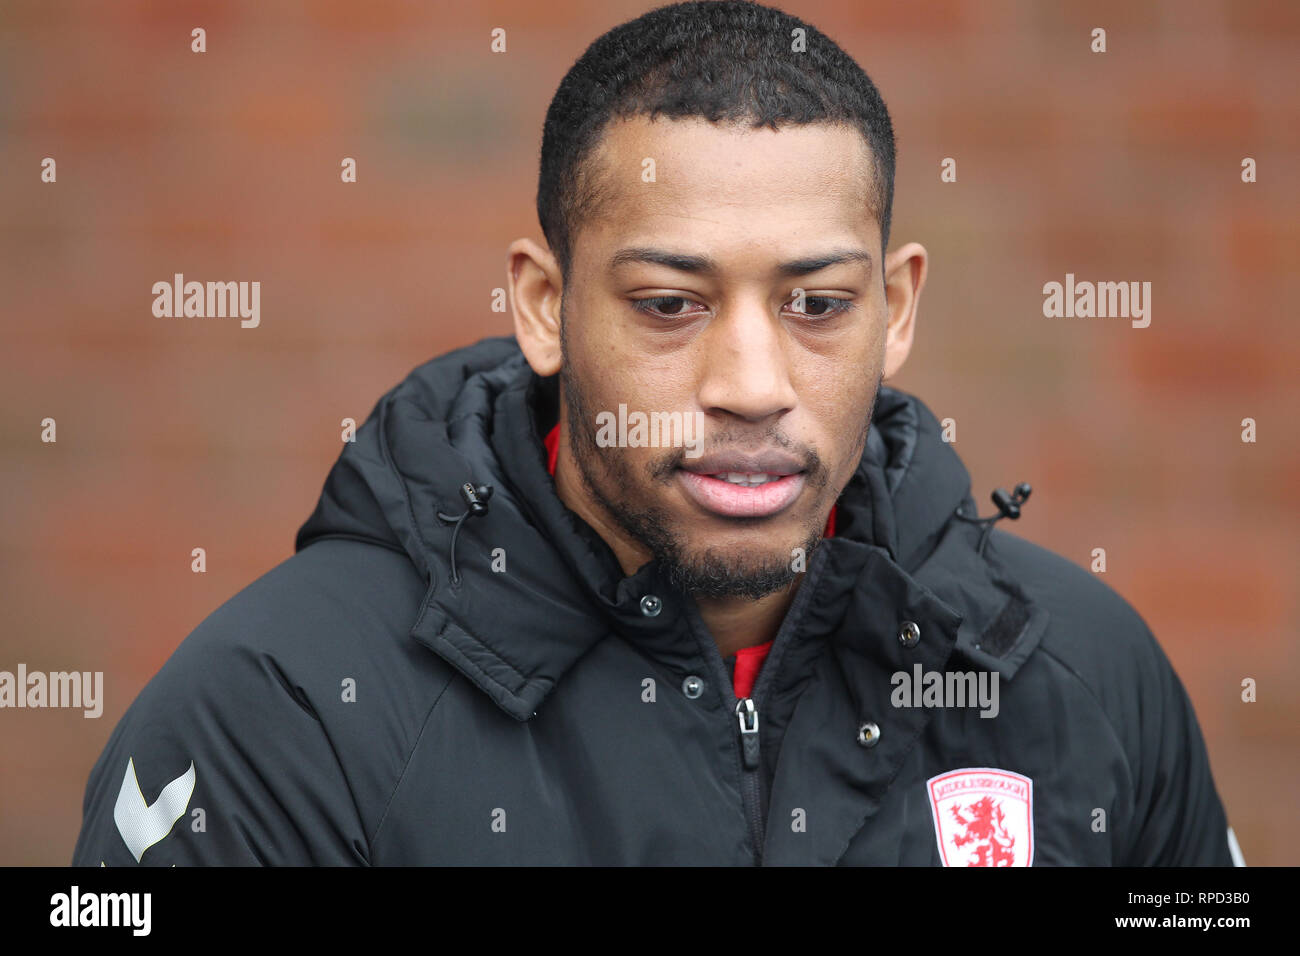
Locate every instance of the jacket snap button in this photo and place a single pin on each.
(868, 734)
(909, 634)
(651, 605)
(692, 687)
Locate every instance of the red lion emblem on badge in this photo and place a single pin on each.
(983, 816)
(986, 828)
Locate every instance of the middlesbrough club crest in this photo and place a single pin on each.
(983, 817)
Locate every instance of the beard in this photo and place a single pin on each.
(611, 481)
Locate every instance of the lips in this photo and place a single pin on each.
(743, 486)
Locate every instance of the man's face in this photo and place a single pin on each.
(683, 296)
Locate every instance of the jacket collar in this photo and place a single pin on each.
(538, 587)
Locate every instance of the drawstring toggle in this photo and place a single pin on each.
(476, 505)
(1008, 505)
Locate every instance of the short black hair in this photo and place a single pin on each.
(724, 60)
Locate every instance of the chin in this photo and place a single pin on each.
(714, 575)
(749, 564)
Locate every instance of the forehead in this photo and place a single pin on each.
(696, 181)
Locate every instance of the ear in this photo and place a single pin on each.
(533, 278)
(905, 270)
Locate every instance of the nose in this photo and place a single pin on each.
(746, 365)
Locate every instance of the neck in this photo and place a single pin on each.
(744, 622)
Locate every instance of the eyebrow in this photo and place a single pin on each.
(703, 264)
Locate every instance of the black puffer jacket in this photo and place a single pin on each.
(359, 704)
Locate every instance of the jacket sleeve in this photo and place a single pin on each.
(1179, 819)
(219, 761)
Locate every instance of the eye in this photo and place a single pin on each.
(823, 306)
(663, 306)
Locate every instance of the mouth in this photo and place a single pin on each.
(743, 487)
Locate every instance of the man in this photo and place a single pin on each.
(670, 577)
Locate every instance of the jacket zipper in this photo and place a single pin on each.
(747, 716)
(745, 713)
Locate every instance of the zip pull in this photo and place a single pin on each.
(747, 714)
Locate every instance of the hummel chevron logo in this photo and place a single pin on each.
(142, 825)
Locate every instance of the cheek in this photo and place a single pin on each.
(839, 387)
(839, 403)
(622, 372)
(593, 357)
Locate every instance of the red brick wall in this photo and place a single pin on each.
(225, 165)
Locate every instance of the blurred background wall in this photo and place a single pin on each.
(225, 165)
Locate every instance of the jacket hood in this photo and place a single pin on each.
(477, 415)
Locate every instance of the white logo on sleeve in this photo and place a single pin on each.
(142, 825)
(1235, 849)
